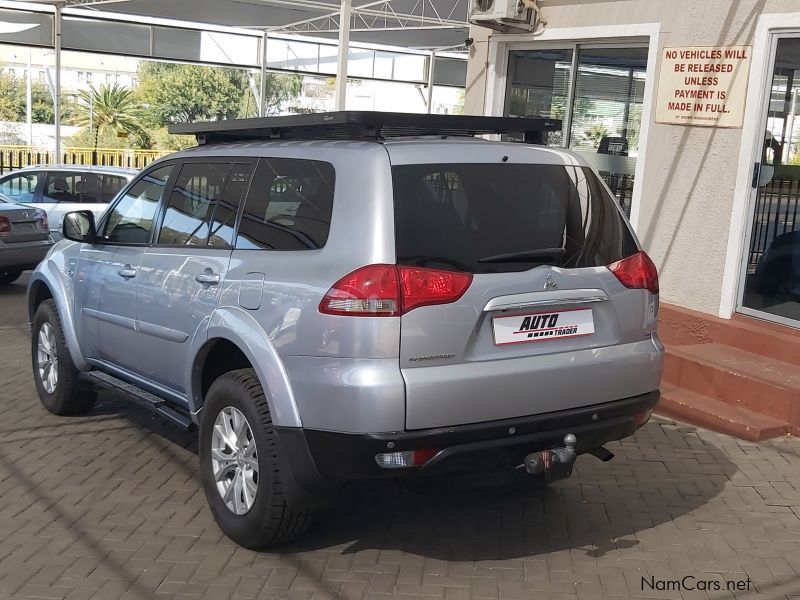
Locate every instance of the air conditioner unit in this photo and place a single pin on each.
(503, 15)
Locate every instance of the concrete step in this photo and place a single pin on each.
(716, 415)
(680, 326)
(736, 377)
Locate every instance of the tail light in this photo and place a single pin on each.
(642, 417)
(44, 223)
(392, 290)
(636, 272)
(408, 458)
(5, 225)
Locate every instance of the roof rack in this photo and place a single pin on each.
(350, 125)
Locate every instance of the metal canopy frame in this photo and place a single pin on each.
(349, 125)
(369, 16)
(380, 15)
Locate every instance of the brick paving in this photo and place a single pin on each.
(109, 505)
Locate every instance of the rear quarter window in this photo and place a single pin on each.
(288, 207)
(490, 218)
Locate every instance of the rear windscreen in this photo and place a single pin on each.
(492, 218)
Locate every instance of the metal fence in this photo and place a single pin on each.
(777, 211)
(16, 157)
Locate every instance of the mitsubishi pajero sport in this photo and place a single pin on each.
(347, 296)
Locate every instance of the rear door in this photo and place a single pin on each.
(183, 273)
(545, 325)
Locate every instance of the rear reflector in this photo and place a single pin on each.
(642, 417)
(636, 272)
(408, 458)
(5, 225)
(392, 290)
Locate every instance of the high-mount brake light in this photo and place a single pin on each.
(392, 290)
(636, 272)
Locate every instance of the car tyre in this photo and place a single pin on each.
(8, 277)
(57, 380)
(239, 465)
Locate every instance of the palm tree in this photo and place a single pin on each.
(110, 109)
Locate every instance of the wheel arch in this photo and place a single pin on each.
(235, 340)
(48, 283)
(38, 292)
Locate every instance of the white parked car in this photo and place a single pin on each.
(65, 188)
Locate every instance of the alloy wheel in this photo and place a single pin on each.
(47, 357)
(234, 460)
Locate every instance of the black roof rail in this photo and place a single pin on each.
(364, 125)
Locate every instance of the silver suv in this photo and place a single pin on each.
(328, 298)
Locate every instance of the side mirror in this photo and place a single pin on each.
(79, 226)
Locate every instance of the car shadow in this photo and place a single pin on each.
(664, 472)
(667, 470)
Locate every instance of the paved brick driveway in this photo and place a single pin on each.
(109, 505)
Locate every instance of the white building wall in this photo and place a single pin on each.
(689, 182)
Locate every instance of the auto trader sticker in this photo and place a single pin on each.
(541, 327)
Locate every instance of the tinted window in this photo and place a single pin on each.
(469, 216)
(110, 185)
(223, 218)
(65, 186)
(203, 204)
(20, 187)
(289, 205)
(131, 219)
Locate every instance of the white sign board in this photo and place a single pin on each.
(703, 85)
(540, 327)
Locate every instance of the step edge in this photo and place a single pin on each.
(705, 362)
(668, 390)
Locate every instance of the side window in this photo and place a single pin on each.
(131, 219)
(289, 205)
(65, 186)
(223, 218)
(110, 185)
(203, 204)
(20, 187)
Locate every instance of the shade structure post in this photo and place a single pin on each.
(431, 73)
(57, 95)
(262, 100)
(344, 50)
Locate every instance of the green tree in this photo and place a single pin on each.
(108, 110)
(13, 103)
(178, 93)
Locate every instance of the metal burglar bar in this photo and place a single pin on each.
(777, 212)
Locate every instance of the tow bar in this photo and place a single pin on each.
(557, 463)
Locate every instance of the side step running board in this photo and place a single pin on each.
(143, 398)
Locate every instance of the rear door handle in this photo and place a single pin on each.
(207, 278)
(127, 272)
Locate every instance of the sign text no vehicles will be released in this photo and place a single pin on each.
(703, 86)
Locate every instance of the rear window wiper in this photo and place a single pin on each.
(552, 253)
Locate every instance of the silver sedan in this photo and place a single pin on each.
(24, 239)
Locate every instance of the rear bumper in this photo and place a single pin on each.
(23, 255)
(317, 461)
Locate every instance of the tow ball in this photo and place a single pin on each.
(555, 463)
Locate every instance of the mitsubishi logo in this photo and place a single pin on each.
(549, 284)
